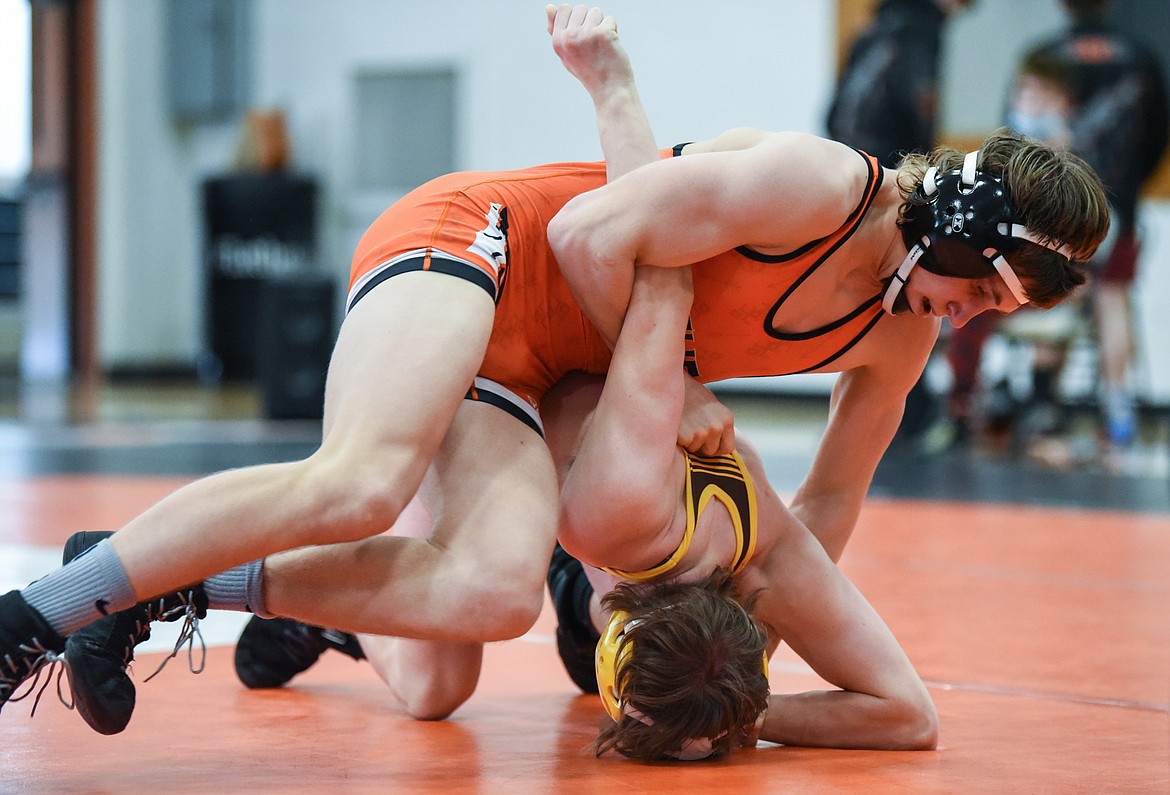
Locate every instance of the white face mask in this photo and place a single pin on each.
(1048, 127)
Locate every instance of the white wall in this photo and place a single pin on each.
(149, 221)
(752, 62)
(15, 94)
(15, 144)
(702, 67)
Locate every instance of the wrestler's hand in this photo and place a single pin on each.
(586, 41)
(707, 426)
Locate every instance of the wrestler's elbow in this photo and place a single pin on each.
(566, 236)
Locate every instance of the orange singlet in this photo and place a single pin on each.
(489, 228)
(738, 294)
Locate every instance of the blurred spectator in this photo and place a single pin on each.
(1101, 93)
(886, 99)
(1040, 106)
(886, 103)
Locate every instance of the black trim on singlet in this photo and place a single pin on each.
(689, 363)
(847, 346)
(492, 399)
(451, 267)
(873, 183)
(752, 254)
(854, 219)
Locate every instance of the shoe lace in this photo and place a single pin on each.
(188, 612)
(38, 673)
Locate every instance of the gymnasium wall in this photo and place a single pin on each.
(702, 68)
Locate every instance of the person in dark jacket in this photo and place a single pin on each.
(886, 104)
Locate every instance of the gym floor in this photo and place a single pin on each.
(1034, 603)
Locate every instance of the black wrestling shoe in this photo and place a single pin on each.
(97, 656)
(29, 647)
(271, 651)
(576, 637)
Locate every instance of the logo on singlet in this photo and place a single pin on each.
(491, 243)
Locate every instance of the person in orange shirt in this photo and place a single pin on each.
(945, 236)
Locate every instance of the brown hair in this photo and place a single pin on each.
(696, 671)
(1057, 195)
(1046, 66)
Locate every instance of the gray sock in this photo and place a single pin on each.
(238, 589)
(91, 586)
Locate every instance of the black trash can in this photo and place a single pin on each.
(257, 227)
(296, 331)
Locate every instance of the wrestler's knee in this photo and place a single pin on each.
(351, 500)
(429, 679)
(436, 697)
(503, 604)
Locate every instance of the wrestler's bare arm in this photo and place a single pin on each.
(621, 496)
(864, 414)
(587, 42)
(785, 190)
(807, 601)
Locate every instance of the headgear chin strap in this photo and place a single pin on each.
(965, 227)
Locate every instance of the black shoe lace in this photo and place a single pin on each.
(188, 612)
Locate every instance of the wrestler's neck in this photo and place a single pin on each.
(883, 234)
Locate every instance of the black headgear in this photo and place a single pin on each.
(963, 227)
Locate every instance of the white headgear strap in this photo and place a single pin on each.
(902, 275)
(1007, 274)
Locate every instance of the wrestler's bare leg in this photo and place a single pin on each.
(1115, 340)
(398, 374)
(493, 494)
(429, 679)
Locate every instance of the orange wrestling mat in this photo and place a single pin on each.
(1043, 634)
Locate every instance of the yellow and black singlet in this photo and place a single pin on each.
(724, 478)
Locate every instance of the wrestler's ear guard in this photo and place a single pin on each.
(961, 225)
(606, 662)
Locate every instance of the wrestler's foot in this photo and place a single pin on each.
(28, 647)
(271, 651)
(576, 637)
(97, 656)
